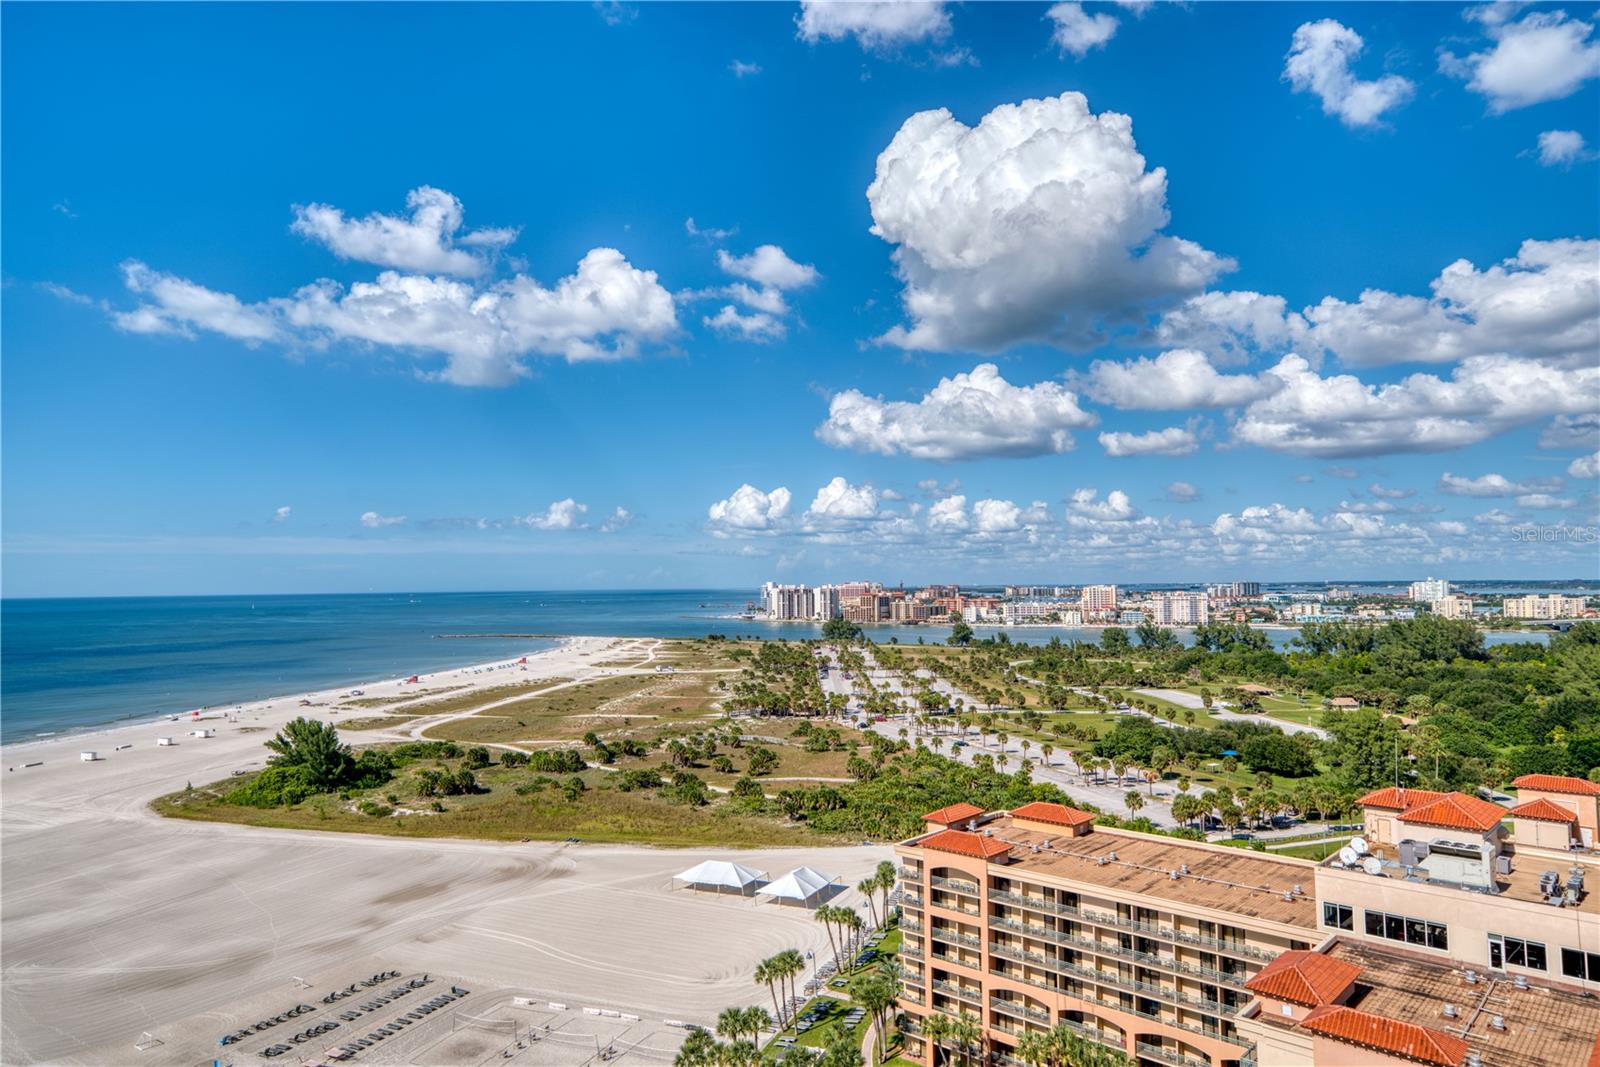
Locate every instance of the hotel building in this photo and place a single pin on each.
(1454, 606)
(1179, 609)
(1098, 600)
(1429, 589)
(1544, 607)
(1442, 941)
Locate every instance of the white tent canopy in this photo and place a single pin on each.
(720, 875)
(800, 884)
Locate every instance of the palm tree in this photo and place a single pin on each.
(756, 1020)
(824, 915)
(1034, 1047)
(793, 964)
(966, 1031)
(1134, 801)
(876, 993)
(1048, 750)
(731, 1023)
(866, 887)
(767, 972)
(886, 876)
(936, 1029)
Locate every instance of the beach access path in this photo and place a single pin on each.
(118, 922)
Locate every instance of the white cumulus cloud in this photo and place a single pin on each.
(749, 509)
(607, 309)
(1545, 55)
(560, 515)
(1182, 493)
(1562, 148)
(1172, 441)
(841, 500)
(1116, 507)
(1585, 467)
(948, 514)
(1319, 62)
(1040, 223)
(964, 416)
(621, 518)
(1173, 381)
(1076, 31)
(372, 520)
(877, 25)
(1341, 415)
(429, 241)
(768, 266)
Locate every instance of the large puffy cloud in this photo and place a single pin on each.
(1545, 55)
(1585, 466)
(606, 309)
(948, 514)
(749, 509)
(1173, 381)
(428, 241)
(1319, 62)
(1172, 441)
(1040, 223)
(965, 416)
(875, 24)
(841, 500)
(1543, 302)
(1342, 416)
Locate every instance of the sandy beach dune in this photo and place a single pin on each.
(117, 922)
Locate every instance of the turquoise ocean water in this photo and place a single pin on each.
(75, 663)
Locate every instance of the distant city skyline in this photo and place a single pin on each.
(622, 296)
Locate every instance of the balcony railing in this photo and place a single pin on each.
(955, 885)
(910, 927)
(1166, 1055)
(910, 874)
(1018, 1010)
(944, 933)
(1106, 948)
(970, 994)
(911, 900)
(1089, 1033)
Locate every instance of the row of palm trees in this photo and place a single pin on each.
(778, 973)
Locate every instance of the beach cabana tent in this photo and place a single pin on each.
(801, 886)
(720, 875)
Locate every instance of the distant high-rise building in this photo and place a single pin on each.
(1553, 606)
(1098, 600)
(1430, 589)
(1179, 609)
(1454, 606)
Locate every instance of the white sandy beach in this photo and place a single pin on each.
(116, 922)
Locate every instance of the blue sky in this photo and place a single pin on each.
(338, 298)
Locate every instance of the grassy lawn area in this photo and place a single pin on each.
(375, 722)
(604, 706)
(834, 1008)
(381, 702)
(600, 813)
(1318, 850)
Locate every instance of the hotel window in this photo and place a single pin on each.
(1515, 952)
(1584, 966)
(1339, 916)
(1409, 931)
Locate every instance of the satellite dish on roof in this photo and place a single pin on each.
(1359, 844)
(1348, 856)
(1372, 865)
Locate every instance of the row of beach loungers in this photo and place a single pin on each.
(398, 1026)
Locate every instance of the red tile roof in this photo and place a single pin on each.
(1398, 799)
(963, 843)
(954, 813)
(1456, 811)
(1557, 783)
(1301, 977)
(1043, 811)
(1544, 809)
(1406, 1040)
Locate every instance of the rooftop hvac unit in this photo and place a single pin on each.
(1471, 976)
(1502, 864)
(1449, 1011)
(1412, 853)
(1520, 981)
(1497, 1022)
